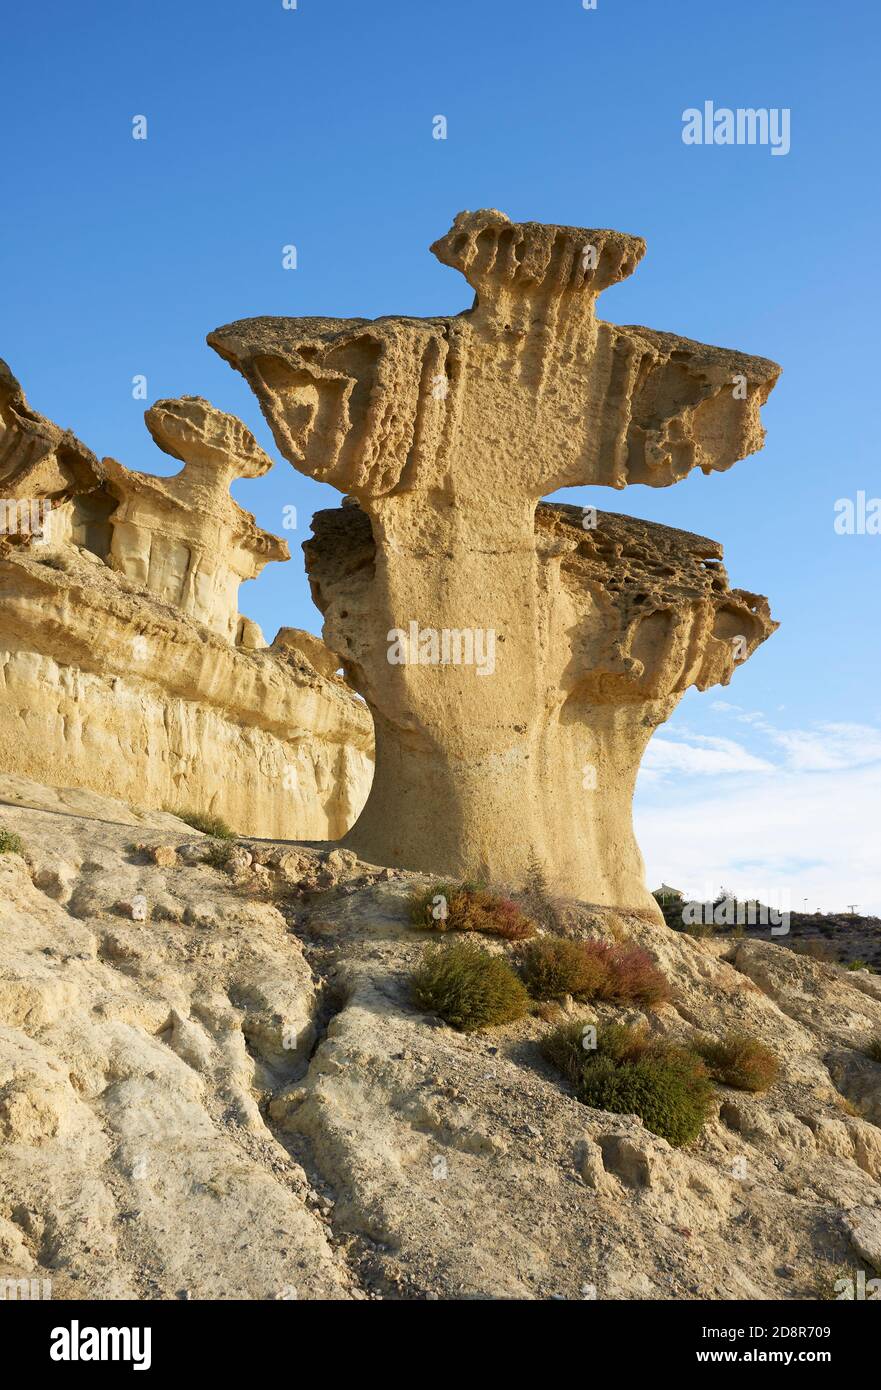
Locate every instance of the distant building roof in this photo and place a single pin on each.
(665, 891)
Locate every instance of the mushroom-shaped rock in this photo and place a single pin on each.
(447, 432)
(526, 392)
(471, 777)
(210, 442)
(184, 538)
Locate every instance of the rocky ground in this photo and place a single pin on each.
(235, 1098)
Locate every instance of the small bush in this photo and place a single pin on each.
(565, 1046)
(209, 825)
(629, 1073)
(591, 970)
(740, 1061)
(873, 1049)
(219, 853)
(564, 1049)
(469, 907)
(671, 1099)
(537, 898)
(552, 966)
(467, 987)
(423, 906)
(859, 965)
(10, 843)
(634, 978)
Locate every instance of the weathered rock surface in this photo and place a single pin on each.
(125, 665)
(105, 687)
(631, 613)
(184, 538)
(235, 1097)
(37, 457)
(447, 432)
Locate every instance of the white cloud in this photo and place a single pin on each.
(701, 755)
(829, 747)
(802, 833)
(795, 813)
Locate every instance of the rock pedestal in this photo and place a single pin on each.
(545, 651)
(627, 615)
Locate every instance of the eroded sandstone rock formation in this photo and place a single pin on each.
(515, 666)
(184, 538)
(178, 1112)
(629, 613)
(125, 665)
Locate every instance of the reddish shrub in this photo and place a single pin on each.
(489, 912)
(469, 907)
(552, 966)
(633, 978)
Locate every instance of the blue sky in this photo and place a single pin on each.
(313, 126)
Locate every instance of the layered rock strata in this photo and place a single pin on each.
(125, 665)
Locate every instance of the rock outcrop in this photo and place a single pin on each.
(183, 538)
(447, 432)
(125, 665)
(229, 1094)
(630, 614)
(46, 472)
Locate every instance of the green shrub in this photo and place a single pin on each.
(469, 907)
(740, 1061)
(209, 825)
(629, 1073)
(565, 1046)
(859, 965)
(873, 1049)
(665, 1092)
(467, 987)
(10, 843)
(564, 1049)
(422, 906)
(552, 966)
(591, 970)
